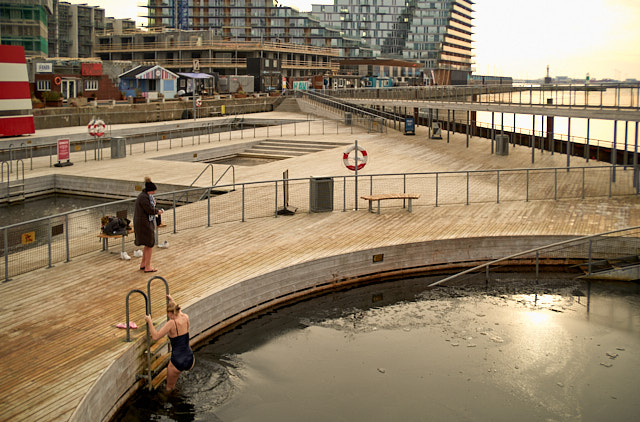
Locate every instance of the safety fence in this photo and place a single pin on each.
(153, 140)
(59, 238)
(596, 96)
(613, 255)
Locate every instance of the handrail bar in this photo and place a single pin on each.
(495, 261)
(225, 172)
(433, 173)
(147, 309)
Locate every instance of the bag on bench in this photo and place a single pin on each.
(115, 226)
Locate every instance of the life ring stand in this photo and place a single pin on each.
(361, 162)
(96, 127)
(57, 80)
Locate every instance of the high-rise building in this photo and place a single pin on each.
(50, 28)
(435, 33)
(73, 28)
(24, 23)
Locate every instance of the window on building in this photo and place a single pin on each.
(91, 85)
(43, 85)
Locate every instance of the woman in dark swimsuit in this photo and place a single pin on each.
(177, 328)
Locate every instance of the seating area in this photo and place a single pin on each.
(382, 197)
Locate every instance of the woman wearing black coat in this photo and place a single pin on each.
(144, 223)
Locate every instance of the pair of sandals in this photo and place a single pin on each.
(152, 270)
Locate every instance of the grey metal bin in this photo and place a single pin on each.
(502, 144)
(348, 117)
(321, 194)
(118, 147)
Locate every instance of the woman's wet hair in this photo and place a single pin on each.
(173, 307)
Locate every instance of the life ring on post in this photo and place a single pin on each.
(99, 128)
(57, 80)
(361, 162)
(198, 102)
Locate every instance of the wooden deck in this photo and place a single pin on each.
(59, 333)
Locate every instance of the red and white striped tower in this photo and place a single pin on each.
(16, 114)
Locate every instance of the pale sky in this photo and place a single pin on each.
(520, 38)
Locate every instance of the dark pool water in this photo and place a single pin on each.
(558, 351)
(45, 206)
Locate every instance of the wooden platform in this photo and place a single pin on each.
(59, 332)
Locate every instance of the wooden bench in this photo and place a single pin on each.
(382, 197)
(105, 239)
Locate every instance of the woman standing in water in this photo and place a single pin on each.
(144, 223)
(177, 328)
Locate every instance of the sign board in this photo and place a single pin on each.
(196, 65)
(91, 69)
(27, 238)
(44, 67)
(63, 149)
(409, 126)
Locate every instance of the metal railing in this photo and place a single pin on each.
(608, 245)
(595, 96)
(191, 134)
(47, 241)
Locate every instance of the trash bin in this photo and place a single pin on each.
(502, 144)
(118, 147)
(321, 194)
(347, 119)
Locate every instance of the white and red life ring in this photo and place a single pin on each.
(198, 102)
(96, 127)
(361, 161)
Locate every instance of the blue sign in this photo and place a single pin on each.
(409, 126)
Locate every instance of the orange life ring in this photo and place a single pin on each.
(361, 162)
(57, 80)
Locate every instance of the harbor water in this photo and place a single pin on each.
(561, 350)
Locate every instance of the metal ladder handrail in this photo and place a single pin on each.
(166, 288)
(2, 172)
(530, 251)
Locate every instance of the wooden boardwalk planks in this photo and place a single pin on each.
(60, 333)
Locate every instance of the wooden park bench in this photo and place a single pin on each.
(382, 197)
(105, 239)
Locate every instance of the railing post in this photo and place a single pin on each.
(209, 207)
(589, 262)
(467, 188)
(5, 238)
(275, 213)
(243, 203)
(49, 246)
(437, 189)
(497, 186)
(175, 205)
(66, 236)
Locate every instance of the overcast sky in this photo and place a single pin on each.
(520, 38)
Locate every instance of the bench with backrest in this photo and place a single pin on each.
(382, 197)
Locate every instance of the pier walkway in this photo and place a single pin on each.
(63, 357)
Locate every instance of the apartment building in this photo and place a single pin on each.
(251, 20)
(25, 23)
(72, 29)
(436, 33)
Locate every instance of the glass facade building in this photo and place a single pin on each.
(437, 34)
